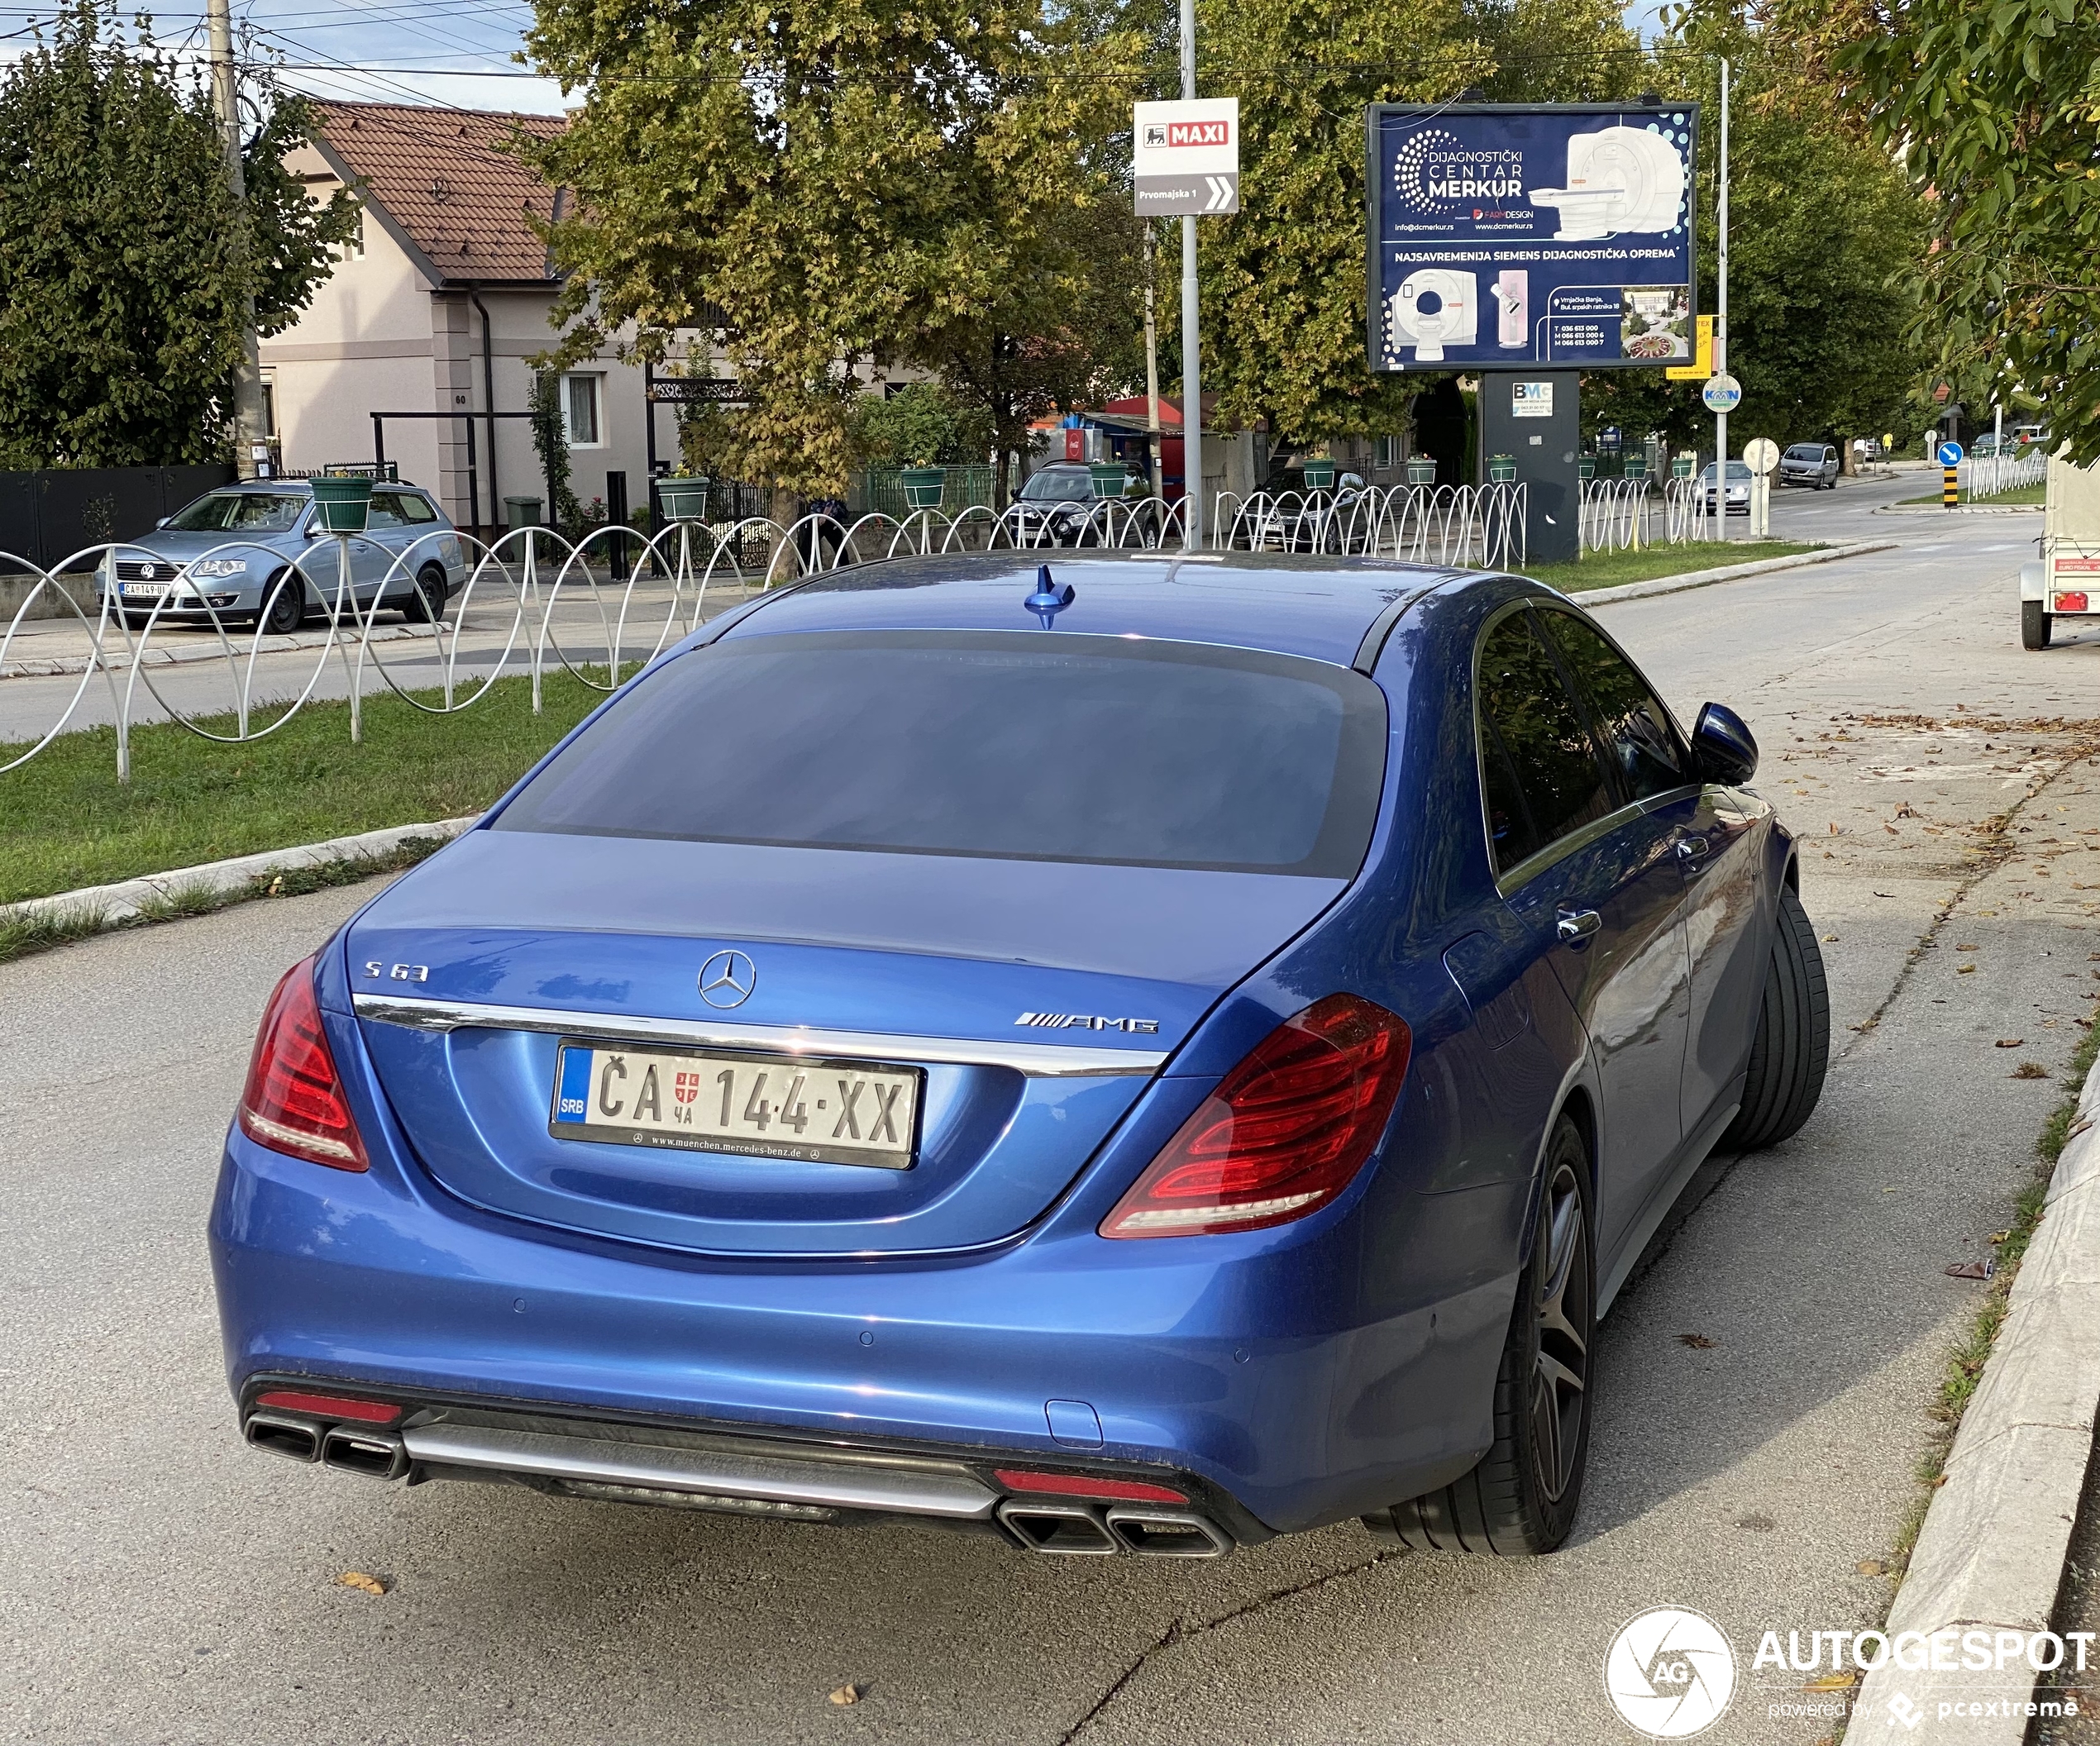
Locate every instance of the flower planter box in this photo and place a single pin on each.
(684, 500)
(923, 487)
(345, 504)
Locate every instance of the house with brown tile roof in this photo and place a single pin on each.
(434, 312)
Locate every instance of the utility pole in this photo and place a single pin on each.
(247, 375)
(1191, 353)
(1721, 319)
(1151, 370)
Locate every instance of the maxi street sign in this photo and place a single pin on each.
(1187, 161)
(1514, 237)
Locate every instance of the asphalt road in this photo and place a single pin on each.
(158, 1581)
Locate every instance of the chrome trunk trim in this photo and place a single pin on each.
(845, 1481)
(1037, 1059)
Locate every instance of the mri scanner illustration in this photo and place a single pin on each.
(1434, 308)
(1619, 179)
(1512, 306)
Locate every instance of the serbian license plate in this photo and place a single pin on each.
(147, 590)
(820, 1112)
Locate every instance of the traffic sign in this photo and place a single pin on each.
(1187, 161)
(1722, 394)
(1761, 455)
(1950, 452)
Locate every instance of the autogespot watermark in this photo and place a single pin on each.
(1670, 1672)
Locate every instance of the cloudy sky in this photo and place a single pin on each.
(447, 51)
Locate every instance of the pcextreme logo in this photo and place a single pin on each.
(1670, 1672)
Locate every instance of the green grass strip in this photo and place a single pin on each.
(1612, 569)
(66, 821)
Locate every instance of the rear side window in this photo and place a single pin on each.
(1553, 781)
(1035, 747)
(1631, 722)
(415, 509)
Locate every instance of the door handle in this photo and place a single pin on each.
(1576, 925)
(1692, 849)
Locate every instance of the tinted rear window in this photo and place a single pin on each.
(1039, 746)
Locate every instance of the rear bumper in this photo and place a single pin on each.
(1217, 1360)
(730, 1470)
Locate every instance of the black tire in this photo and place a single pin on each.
(284, 610)
(1792, 1048)
(1520, 1501)
(2035, 625)
(426, 601)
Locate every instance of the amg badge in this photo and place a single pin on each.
(1087, 1022)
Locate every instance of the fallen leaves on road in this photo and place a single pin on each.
(1696, 1340)
(1965, 970)
(1829, 939)
(1971, 1269)
(1839, 1681)
(363, 1584)
(2009, 1043)
(847, 1694)
(1871, 1567)
(1966, 946)
(2029, 1070)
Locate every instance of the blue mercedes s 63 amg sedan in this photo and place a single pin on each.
(1137, 1055)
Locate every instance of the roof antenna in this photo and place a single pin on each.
(1049, 599)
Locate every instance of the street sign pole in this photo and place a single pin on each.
(1191, 346)
(1720, 315)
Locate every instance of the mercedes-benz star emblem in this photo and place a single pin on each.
(727, 979)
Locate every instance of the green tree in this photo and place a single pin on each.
(121, 278)
(922, 425)
(812, 186)
(1823, 231)
(1993, 107)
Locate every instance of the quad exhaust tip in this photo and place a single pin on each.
(1084, 1530)
(296, 1437)
(352, 1449)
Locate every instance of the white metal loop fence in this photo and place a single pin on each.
(1993, 475)
(598, 609)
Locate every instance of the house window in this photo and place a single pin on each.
(1386, 454)
(580, 405)
(269, 408)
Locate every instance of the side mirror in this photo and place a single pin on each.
(162, 522)
(1725, 749)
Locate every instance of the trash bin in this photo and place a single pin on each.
(523, 512)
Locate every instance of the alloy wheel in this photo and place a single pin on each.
(1560, 1371)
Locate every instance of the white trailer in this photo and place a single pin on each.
(2066, 582)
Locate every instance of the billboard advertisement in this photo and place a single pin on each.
(1511, 236)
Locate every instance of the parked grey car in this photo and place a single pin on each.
(231, 552)
(1810, 464)
(1738, 487)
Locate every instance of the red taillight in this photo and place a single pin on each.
(2070, 602)
(293, 1102)
(1284, 1132)
(1079, 1485)
(329, 1406)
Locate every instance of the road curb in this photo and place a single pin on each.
(1990, 1556)
(59, 666)
(1958, 510)
(99, 908)
(1727, 573)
